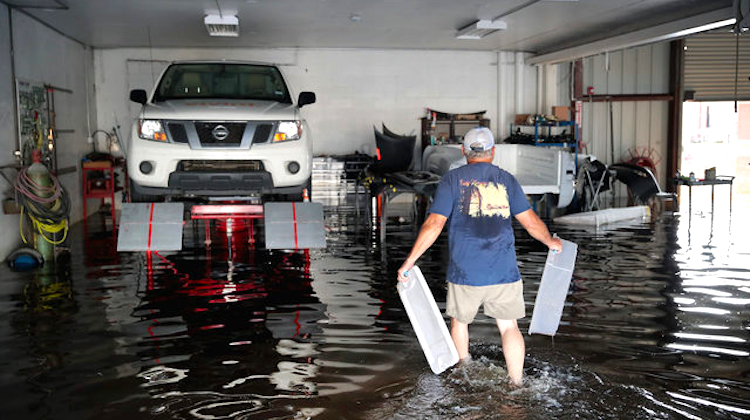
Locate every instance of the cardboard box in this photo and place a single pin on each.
(521, 118)
(97, 164)
(562, 113)
(10, 206)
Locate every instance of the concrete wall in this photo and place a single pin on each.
(8, 223)
(43, 55)
(356, 88)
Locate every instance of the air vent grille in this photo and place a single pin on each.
(222, 25)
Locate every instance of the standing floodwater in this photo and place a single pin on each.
(655, 327)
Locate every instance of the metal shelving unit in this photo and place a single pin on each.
(539, 132)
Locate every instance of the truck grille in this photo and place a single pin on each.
(220, 166)
(177, 132)
(262, 133)
(220, 133)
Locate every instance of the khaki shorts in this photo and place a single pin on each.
(500, 301)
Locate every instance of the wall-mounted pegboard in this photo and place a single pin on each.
(33, 119)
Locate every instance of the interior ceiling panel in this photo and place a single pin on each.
(37, 4)
(538, 26)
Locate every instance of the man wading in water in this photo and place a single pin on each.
(479, 199)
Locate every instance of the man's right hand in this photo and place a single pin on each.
(402, 272)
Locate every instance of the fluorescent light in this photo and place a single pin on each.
(218, 25)
(480, 29)
(665, 32)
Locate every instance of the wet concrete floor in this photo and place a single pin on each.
(655, 327)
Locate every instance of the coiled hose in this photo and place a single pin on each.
(46, 207)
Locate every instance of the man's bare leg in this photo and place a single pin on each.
(460, 336)
(514, 348)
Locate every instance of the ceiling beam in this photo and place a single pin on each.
(39, 4)
(667, 31)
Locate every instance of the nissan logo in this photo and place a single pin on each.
(220, 133)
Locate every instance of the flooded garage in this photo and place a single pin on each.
(208, 206)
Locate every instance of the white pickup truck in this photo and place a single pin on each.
(218, 129)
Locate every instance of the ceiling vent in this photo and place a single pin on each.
(218, 25)
(480, 29)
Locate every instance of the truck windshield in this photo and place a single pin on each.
(222, 81)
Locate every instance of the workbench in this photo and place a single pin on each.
(719, 180)
(102, 184)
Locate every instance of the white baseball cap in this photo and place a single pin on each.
(479, 139)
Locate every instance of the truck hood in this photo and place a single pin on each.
(219, 110)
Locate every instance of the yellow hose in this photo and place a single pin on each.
(45, 228)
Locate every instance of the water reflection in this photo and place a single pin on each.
(229, 333)
(249, 331)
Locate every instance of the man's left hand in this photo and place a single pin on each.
(555, 244)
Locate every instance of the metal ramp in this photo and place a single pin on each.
(150, 227)
(294, 225)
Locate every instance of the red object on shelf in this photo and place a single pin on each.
(92, 188)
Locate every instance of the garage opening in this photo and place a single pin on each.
(715, 136)
(716, 121)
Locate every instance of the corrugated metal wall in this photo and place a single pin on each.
(638, 127)
(710, 66)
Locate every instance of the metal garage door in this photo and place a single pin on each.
(710, 66)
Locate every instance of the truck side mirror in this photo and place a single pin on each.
(305, 98)
(140, 96)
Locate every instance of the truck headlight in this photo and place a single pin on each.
(288, 130)
(151, 130)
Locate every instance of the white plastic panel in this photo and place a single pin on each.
(553, 289)
(427, 322)
(602, 217)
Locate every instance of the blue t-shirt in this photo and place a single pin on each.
(479, 199)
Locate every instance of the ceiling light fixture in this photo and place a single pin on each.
(676, 29)
(218, 25)
(480, 29)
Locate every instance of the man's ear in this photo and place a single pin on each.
(493, 153)
(463, 152)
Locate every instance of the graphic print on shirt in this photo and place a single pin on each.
(484, 199)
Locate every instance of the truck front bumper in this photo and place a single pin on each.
(219, 184)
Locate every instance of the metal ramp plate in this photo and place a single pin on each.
(427, 322)
(150, 227)
(553, 290)
(294, 225)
